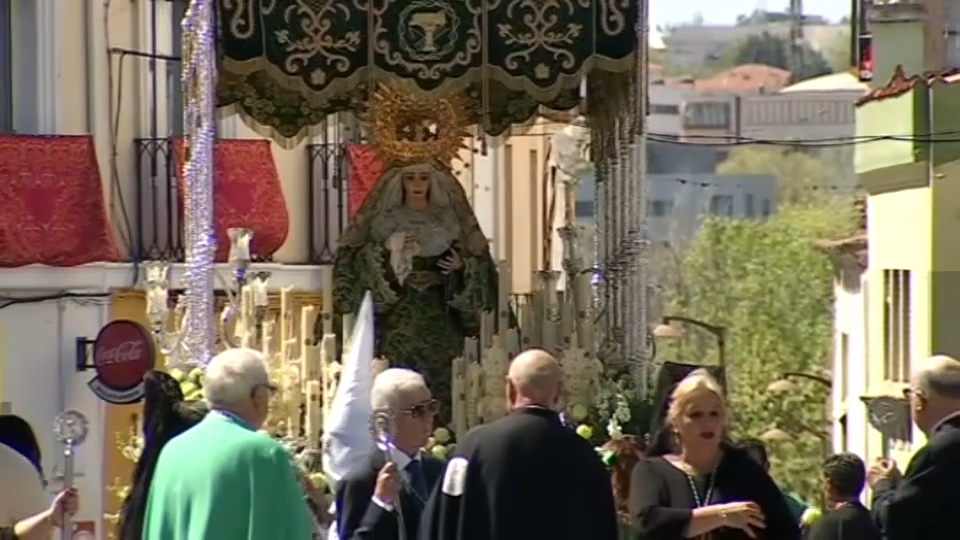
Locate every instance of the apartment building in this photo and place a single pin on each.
(678, 203)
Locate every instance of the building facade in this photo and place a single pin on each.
(677, 204)
(913, 183)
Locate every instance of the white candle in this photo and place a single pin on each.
(259, 290)
(312, 426)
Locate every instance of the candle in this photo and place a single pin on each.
(313, 414)
(240, 244)
(259, 292)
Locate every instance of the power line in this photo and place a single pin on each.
(820, 142)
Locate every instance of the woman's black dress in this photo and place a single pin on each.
(662, 501)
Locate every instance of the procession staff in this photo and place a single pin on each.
(221, 479)
(525, 476)
(923, 505)
(382, 498)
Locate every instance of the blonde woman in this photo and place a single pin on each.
(703, 488)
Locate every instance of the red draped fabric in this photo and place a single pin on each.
(247, 194)
(52, 207)
(365, 170)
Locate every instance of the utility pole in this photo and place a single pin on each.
(796, 36)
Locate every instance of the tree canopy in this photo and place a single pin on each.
(799, 174)
(769, 286)
(773, 50)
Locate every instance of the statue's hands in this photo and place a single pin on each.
(451, 263)
(396, 242)
(411, 246)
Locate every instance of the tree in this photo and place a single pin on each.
(802, 177)
(769, 286)
(837, 52)
(772, 50)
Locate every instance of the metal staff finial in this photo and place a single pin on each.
(71, 428)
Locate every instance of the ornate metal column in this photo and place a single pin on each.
(617, 107)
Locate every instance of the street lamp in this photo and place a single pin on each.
(784, 385)
(666, 330)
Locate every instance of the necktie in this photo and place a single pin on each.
(418, 482)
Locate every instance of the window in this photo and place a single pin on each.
(721, 205)
(896, 325)
(706, 115)
(665, 109)
(749, 210)
(661, 208)
(6, 66)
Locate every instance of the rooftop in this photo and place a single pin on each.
(901, 84)
(746, 78)
(844, 80)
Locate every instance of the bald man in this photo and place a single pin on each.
(525, 476)
(924, 505)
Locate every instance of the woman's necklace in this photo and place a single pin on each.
(696, 492)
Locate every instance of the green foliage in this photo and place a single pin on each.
(837, 52)
(766, 282)
(772, 50)
(798, 173)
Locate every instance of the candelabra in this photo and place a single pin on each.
(246, 303)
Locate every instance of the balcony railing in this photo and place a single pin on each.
(158, 227)
(328, 170)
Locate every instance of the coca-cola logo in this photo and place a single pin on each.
(122, 355)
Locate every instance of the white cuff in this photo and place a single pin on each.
(386, 506)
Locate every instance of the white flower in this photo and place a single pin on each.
(613, 429)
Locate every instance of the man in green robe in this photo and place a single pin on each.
(221, 479)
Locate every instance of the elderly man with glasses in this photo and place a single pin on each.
(383, 497)
(221, 479)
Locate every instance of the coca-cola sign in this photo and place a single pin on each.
(122, 355)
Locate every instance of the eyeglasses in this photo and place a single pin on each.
(424, 408)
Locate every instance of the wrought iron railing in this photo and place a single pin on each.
(158, 227)
(328, 192)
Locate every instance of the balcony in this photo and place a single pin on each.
(154, 221)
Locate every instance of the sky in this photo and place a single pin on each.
(725, 12)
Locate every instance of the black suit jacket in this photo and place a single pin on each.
(924, 505)
(359, 518)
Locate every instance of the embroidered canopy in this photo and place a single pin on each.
(287, 64)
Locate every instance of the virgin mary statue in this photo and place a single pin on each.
(416, 245)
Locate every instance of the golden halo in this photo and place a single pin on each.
(407, 128)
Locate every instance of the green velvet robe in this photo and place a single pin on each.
(222, 480)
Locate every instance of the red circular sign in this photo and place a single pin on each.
(122, 354)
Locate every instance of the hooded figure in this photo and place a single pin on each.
(165, 415)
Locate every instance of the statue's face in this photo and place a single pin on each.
(416, 185)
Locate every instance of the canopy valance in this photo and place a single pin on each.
(287, 64)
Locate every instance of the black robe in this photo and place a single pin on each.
(662, 503)
(523, 477)
(848, 522)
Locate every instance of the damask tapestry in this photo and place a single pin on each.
(287, 64)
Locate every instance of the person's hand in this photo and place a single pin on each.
(388, 484)
(745, 516)
(882, 469)
(64, 505)
(451, 263)
(310, 489)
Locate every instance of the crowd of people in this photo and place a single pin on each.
(207, 474)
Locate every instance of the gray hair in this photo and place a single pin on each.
(232, 375)
(939, 376)
(391, 385)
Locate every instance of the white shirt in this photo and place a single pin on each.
(21, 489)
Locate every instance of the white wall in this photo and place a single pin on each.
(37, 344)
(850, 380)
